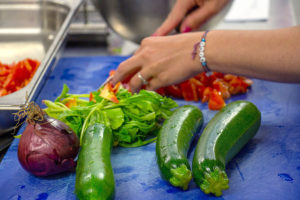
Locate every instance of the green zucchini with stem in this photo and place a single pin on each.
(94, 173)
(223, 137)
(173, 142)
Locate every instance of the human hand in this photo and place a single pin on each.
(161, 61)
(180, 13)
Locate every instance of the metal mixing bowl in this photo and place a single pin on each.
(134, 19)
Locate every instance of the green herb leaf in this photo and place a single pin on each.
(134, 120)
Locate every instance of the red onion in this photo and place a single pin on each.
(47, 145)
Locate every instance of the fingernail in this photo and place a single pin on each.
(154, 35)
(186, 29)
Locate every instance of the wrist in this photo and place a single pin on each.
(200, 51)
(192, 51)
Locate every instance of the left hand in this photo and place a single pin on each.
(202, 10)
(161, 61)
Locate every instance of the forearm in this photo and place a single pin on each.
(265, 54)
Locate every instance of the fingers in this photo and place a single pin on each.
(174, 18)
(126, 69)
(206, 9)
(154, 84)
(136, 82)
(198, 17)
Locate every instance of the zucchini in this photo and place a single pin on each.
(94, 173)
(173, 142)
(223, 137)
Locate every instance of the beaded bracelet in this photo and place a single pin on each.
(202, 52)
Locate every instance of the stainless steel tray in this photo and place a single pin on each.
(34, 29)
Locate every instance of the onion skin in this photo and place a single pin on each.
(48, 147)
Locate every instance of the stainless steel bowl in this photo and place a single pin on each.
(134, 19)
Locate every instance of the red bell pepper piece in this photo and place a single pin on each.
(218, 75)
(17, 75)
(222, 87)
(71, 103)
(216, 102)
(174, 91)
(33, 63)
(203, 78)
(116, 87)
(108, 93)
(3, 92)
(206, 94)
(189, 91)
(237, 85)
(199, 87)
(92, 98)
(161, 91)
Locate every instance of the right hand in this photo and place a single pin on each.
(189, 21)
(161, 61)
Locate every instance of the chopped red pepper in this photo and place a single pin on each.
(189, 91)
(174, 91)
(218, 75)
(222, 87)
(162, 91)
(206, 94)
(71, 103)
(199, 87)
(108, 93)
(216, 102)
(92, 98)
(213, 88)
(17, 75)
(203, 78)
(237, 85)
(116, 87)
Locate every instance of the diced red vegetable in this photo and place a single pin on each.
(71, 103)
(174, 91)
(189, 92)
(92, 98)
(108, 93)
(213, 88)
(215, 102)
(17, 75)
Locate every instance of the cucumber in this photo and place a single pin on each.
(173, 142)
(94, 173)
(223, 137)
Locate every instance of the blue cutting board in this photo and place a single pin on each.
(267, 168)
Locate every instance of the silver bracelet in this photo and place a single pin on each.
(202, 52)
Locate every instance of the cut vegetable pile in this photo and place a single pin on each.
(133, 118)
(214, 88)
(15, 76)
